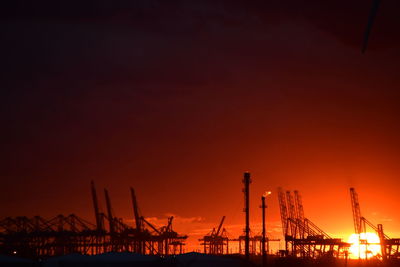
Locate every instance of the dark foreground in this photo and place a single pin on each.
(183, 260)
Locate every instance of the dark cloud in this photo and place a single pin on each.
(53, 37)
(346, 20)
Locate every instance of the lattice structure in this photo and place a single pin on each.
(33, 237)
(255, 244)
(38, 237)
(389, 246)
(302, 237)
(217, 241)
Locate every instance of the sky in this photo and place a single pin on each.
(178, 98)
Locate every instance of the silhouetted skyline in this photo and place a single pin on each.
(178, 98)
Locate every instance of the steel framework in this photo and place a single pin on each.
(38, 237)
(302, 237)
(217, 241)
(256, 242)
(389, 246)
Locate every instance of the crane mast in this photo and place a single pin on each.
(136, 211)
(292, 208)
(389, 246)
(382, 238)
(283, 209)
(169, 225)
(220, 226)
(99, 222)
(109, 212)
(300, 214)
(299, 205)
(359, 226)
(292, 213)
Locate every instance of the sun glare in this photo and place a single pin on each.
(365, 245)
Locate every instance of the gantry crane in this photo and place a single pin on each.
(217, 241)
(389, 246)
(302, 237)
(98, 216)
(138, 222)
(163, 240)
(110, 216)
(41, 238)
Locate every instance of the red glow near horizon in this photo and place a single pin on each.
(178, 104)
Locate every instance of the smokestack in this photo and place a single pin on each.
(246, 182)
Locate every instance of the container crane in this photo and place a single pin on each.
(389, 246)
(98, 215)
(303, 237)
(216, 242)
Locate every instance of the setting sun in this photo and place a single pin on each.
(364, 245)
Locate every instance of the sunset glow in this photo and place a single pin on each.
(364, 245)
(258, 129)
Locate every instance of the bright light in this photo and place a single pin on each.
(365, 245)
(267, 193)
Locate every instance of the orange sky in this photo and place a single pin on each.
(180, 105)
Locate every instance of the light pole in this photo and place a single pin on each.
(263, 207)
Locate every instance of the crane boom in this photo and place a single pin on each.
(283, 209)
(109, 211)
(220, 226)
(292, 213)
(292, 208)
(99, 224)
(303, 227)
(151, 226)
(299, 205)
(136, 211)
(356, 212)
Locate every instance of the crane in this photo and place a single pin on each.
(304, 237)
(359, 221)
(109, 212)
(98, 215)
(216, 242)
(220, 225)
(138, 221)
(283, 210)
(360, 227)
(292, 214)
(300, 213)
